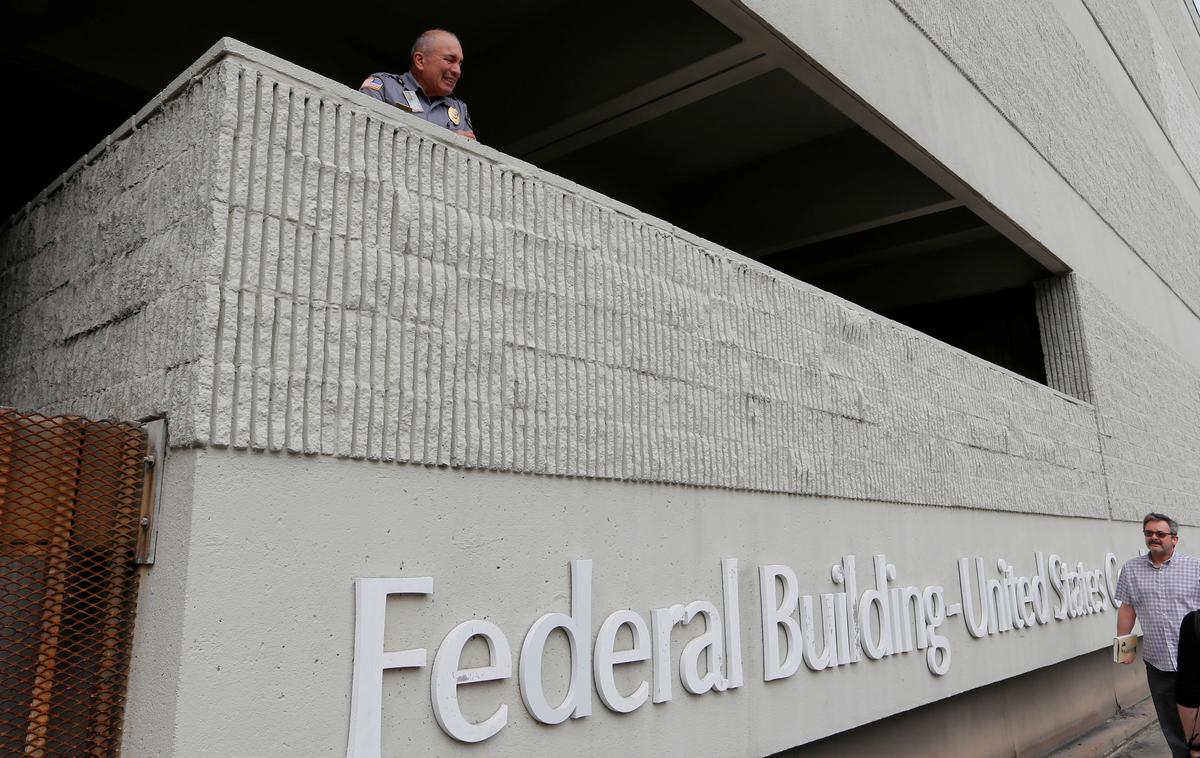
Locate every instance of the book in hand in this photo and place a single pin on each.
(1125, 648)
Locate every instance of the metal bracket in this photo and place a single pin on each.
(156, 456)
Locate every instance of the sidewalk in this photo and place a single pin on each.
(1132, 733)
(1149, 743)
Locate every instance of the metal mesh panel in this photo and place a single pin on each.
(70, 504)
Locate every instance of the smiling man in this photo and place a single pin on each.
(427, 88)
(1159, 589)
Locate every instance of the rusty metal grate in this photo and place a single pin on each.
(70, 503)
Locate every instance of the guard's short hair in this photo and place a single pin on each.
(421, 44)
(1161, 517)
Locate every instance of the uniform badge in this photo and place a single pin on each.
(411, 103)
(452, 112)
(372, 82)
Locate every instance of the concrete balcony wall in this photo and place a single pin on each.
(348, 282)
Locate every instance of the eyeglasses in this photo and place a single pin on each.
(1161, 535)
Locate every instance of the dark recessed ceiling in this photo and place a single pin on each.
(735, 127)
(77, 69)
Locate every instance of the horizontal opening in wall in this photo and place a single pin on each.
(1001, 327)
(769, 169)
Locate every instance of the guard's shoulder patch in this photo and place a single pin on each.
(372, 82)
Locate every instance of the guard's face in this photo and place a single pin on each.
(438, 68)
(1159, 540)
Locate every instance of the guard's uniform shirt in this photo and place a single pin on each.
(404, 93)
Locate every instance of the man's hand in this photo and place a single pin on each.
(466, 133)
(1126, 616)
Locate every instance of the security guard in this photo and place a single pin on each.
(426, 89)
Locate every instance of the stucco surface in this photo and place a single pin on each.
(1152, 43)
(1176, 20)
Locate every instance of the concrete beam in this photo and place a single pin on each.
(836, 185)
(683, 87)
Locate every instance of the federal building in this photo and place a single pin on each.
(771, 378)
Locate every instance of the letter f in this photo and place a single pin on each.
(370, 659)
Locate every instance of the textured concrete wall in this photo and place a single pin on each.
(1175, 18)
(419, 302)
(1080, 138)
(102, 304)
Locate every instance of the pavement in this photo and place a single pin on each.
(1132, 733)
(1148, 743)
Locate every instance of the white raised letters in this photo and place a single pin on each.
(607, 658)
(890, 618)
(710, 644)
(662, 621)
(777, 616)
(370, 659)
(578, 628)
(447, 676)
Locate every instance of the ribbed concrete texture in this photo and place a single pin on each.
(103, 281)
(282, 264)
(1061, 329)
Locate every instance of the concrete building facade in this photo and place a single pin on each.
(630, 490)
